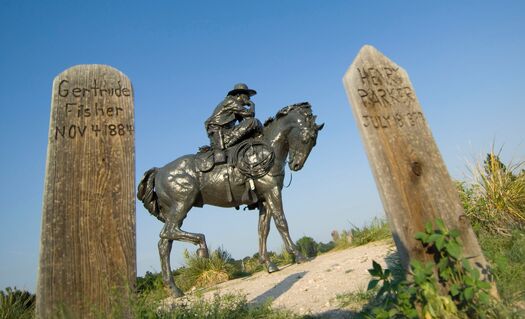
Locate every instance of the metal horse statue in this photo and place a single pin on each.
(170, 192)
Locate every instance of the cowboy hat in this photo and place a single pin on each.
(242, 88)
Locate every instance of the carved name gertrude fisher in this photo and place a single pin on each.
(87, 102)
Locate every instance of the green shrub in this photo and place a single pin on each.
(495, 198)
(307, 246)
(341, 240)
(150, 282)
(447, 288)
(219, 307)
(16, 304)
(377, 229)
(252, 264)
(506, 255)
(281, 259)
(323, 248)
(355, 300)
(205, 272)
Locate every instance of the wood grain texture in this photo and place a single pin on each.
(87, 254)
(412, 179)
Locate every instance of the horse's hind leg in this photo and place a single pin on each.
(164, 251)
(171, 231)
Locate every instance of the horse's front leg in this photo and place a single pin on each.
(264, 230)
(274, 205)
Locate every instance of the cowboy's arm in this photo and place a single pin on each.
(223, 113)
(241, 111)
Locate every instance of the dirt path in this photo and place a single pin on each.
(312, 287)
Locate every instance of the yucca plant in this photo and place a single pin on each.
(499, 192)
(205, 272)
(16, 304)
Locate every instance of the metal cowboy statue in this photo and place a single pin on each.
(240, 154)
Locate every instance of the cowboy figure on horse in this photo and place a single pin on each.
(221, 125)
(169, 192)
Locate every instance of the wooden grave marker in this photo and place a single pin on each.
(87, 253)
(410, 174)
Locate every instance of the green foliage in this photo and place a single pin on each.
(219, 307)
(307, 246)
(342, 240)
(506, 255)
(205, 272)
(495, 204)
(150, 282)
(252, 264)
(447, 288)
(281, 259)
(495, 199)
(355, 300)
(323, 248)
(378, 229)
(16, 304)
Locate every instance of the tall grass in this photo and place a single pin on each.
(377, 229)
(496, 195)
(494, 200)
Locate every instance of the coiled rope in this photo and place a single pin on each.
(244, 161)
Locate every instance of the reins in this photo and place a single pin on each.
(289, 183)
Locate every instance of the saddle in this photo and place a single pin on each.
(252, 158)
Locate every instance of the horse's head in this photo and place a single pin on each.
(303, 134)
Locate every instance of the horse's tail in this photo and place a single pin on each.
(146, 193)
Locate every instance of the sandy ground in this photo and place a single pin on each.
(312, 287)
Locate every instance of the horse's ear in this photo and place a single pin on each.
(319, 127)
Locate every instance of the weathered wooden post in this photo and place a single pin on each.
(412, 179)
(87, 254)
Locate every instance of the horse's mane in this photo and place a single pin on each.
(304, 106)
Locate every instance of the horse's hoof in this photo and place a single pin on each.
(271, 267)
(174, 291)
(299, 258)
(203, 253)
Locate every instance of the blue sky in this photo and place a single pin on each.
(464, 58)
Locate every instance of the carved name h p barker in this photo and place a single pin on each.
(410, 174)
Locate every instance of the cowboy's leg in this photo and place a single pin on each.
(245, 127)
(215, 137)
